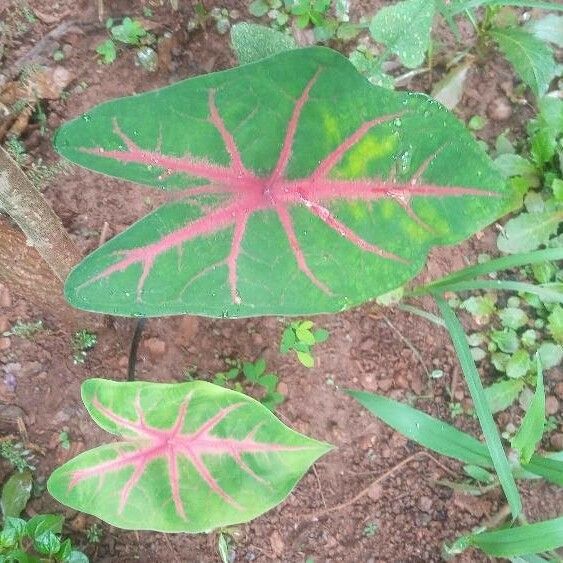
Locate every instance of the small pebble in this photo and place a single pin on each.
(551, 405)
(499, 109)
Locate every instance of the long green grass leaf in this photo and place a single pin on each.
(496, 265)
(425, 430)
(548, 467)
(490, 431)
(531, 430)
(546, 293)
(522, 540)
(459, 7)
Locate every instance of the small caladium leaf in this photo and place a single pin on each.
(292, 186)
(191, 457)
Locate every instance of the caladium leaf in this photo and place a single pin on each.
(293, 186)
(191, 457)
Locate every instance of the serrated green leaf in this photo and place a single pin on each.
(191, 457)
(129, 31)
(528, 231)
(518, 364)
(252, 42)
(258, 8)
(531, 58)
(502, 394)
(257, 228)
(513, 317)
(550, 354)
(15, 493)
(531, 430)
(507, 340)
(404, 28)
(107, 51)
(549, 29)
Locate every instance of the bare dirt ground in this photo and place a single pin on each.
(412, 516)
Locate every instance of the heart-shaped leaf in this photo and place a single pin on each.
(192, 457)
(293, 186)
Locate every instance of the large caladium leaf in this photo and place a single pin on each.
(295, 187)
(192, 457)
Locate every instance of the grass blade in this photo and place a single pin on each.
(490, 431)
(522, 540)
(425, 429)
(496, 265)
(531, 430)
(547, 294)
(549, 468)
(467, 4)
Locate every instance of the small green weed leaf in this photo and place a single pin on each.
(14, 530)
(47, 543)
(404, 29)
(550, 354)
(191, 457)
(252, 42)
(521, 540)
(515, 165)
(321, 335)
(513, 317)
(258, 8)
(425, 430)
(507, 340)
(129, 31)
(548, 29)
(531, 58)
(502, 394)
(518, 364)
(479, 306)
(531, 430)
(543, 272)
(306, 359)
(529, 231)
(107, 51)
(42, 523)
(555, 324)
(15, 493)
(499, 360)
(341, 181)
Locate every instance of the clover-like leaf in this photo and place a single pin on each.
(292, 186)
(191, 457)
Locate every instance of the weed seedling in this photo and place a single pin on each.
(243, 375)
(16, 455)
(26, 330)
(82, 342)
(369, 530)
(299, 337)
(94, 533)
(64, 440)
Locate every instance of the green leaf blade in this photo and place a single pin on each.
(425, 430)
(531, 58)
(484, 415)
(238, 212)
(522, 540)
(180, 466)
(405, 29)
